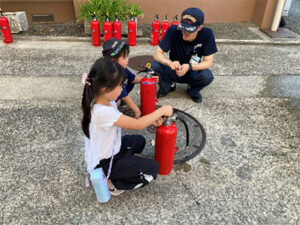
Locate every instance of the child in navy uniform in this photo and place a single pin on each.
(102, 123)
(118, 51)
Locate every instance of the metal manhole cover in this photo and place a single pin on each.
(196, 135)
(138, 62)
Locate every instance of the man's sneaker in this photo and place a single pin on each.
(113, 190)
(161, 94)
(188, 88)
(173, 87)
(197, 98)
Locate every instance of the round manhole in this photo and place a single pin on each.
(139, 62)
(196, 137)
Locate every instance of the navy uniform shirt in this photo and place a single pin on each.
(182, 51)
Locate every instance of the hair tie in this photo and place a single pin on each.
(85, 79)
(116, 51)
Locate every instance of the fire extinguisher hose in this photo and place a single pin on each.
(186, 129)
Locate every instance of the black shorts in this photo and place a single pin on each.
(128, 169)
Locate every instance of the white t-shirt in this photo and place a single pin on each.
(104, 136)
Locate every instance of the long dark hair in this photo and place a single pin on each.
(104, 73)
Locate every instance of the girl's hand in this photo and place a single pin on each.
(119, 103)
(137, 113)
(156, 78)
(158, 122)
(167, 110)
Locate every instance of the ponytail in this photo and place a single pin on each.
(86, 109)
(104, 73)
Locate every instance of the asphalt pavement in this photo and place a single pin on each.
(248, 172)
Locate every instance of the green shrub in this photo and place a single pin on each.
(111, 8)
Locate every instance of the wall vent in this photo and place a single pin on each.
(42, 18)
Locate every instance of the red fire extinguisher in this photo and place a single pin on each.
(165, 146)
(164, 27)
(5, 29)
(131, 31)
(117, 27)
(95, 27)
(148, 91)
(107, 29)
(175, 21)
(155, 31)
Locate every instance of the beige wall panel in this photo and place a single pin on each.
(63, 10)
(268, 14)
(258, 12)
(215, 10)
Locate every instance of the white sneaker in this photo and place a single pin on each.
(113, 190)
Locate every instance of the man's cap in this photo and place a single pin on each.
(191, 19)
(112, 47)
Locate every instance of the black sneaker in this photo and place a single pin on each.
(173, 87)
(188, 88)
(197, 99)
(161, 94)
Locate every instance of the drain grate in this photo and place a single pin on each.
(197, 137)
(42, 18)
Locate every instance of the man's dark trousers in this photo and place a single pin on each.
(196, 79)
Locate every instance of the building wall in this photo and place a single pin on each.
(216, 11)
(268, 14)
(62, 10)
(259, 12)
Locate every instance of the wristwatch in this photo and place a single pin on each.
(190, 67)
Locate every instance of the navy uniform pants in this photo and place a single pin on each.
(128, 170)
(197, 79)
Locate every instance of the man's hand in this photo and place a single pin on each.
(174, 65)
(182, 70)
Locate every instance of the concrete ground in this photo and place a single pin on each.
(293, 18)
(248, 172)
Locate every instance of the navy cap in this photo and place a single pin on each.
(191, 19)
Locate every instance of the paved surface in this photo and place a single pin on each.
(248, 172)
(293, 18)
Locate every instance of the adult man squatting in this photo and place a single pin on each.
(187, 43)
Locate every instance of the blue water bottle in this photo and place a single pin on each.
(99, 181)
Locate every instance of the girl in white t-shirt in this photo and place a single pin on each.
(102, 123)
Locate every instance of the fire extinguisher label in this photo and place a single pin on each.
(148, 82)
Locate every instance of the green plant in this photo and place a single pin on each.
(135, 10)
(110, 8)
